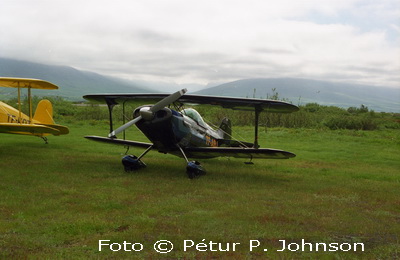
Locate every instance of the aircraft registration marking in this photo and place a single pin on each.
(15, 119)
(211, 141)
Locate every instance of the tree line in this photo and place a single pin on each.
(311, 115)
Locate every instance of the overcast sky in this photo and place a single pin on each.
(186, 41)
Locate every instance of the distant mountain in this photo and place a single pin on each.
(302, 91)
(73, 83)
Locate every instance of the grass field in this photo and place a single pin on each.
(58, 200)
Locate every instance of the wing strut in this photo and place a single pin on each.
(123, 118)
(257, 116)
(110, 103)
(30, 105)
(19, 104)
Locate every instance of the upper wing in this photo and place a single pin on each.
(27, 129)
(247, 104)
(26, 83)
(118, 141)
(250, 153)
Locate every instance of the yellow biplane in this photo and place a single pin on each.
(13, 121)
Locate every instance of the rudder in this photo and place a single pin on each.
(225, 129)
(44, 112)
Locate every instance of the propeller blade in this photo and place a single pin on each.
(158, 106)
(125, 126)
(168, 100)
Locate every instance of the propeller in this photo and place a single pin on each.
(147, 113)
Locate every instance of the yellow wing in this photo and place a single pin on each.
(26, 83)
(27, 129)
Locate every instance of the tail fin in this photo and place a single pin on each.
(225, 129)
(44, 112)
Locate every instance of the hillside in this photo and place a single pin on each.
(302, 91)
(73, 83)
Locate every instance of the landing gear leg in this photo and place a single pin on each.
(45, 140)
(133, 163)
(250, 162)
(193, 168)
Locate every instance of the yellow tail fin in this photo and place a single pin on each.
(44, 112)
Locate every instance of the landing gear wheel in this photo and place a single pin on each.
(132, 163)
(194, 169)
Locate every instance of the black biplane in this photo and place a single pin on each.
(183, 132)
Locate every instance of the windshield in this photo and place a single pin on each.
(193, 114)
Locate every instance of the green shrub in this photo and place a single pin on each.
(311, 115)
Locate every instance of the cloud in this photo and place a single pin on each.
(202, 41)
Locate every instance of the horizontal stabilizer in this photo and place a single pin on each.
(250, 153)
(62, 130)
(234, 143)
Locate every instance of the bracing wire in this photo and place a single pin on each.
(231, 136)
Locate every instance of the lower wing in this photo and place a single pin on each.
(27, 129)
(118, 141)
(207, 152)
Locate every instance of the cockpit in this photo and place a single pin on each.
(193, 114)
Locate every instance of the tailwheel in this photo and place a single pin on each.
(132, 163)
(194, 169)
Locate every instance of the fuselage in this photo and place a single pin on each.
(8, 114)
(170, 128)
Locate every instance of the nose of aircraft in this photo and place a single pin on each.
(147, 113)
